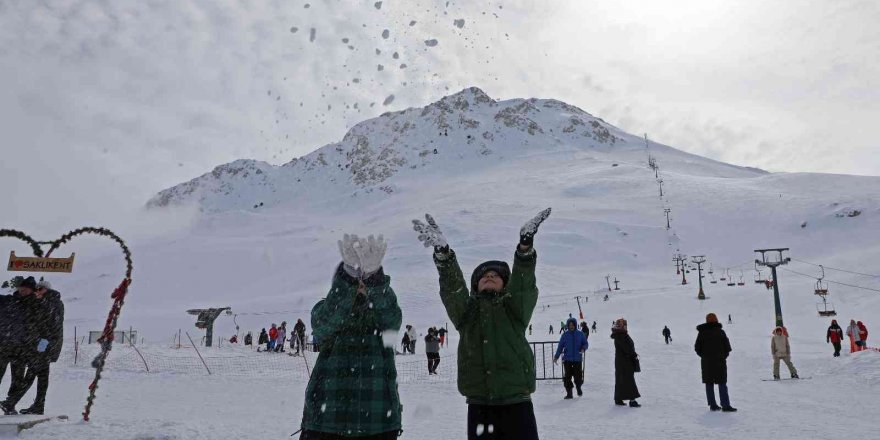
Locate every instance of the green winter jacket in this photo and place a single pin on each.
(353, 388)
(496, 366)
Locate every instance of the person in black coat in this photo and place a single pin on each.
(626, 364)
(667, 334)
(46, 315)
(713, 347)
(263, 339)
(16, 336)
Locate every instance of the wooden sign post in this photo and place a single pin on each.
(40, 264)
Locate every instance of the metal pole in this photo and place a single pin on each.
(75, 347)
(776, 302)
(197, 352)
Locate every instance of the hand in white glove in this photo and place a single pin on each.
(349, 256)
(528, 231)
(370, 252)
(42, 345)
(430, 234)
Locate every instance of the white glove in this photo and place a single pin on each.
(346, 250)
(42, 345)
(370, 252)
(528, 231)
(430, 234)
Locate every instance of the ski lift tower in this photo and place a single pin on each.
(773, 263)
(206, 318)
(699, 260)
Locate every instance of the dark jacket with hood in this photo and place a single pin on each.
(16, 332)
(713, 347)
(834, 334)
(625, 360)
(50, 322)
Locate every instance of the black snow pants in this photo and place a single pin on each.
(37, 369)
(502, 422)
(16, 370)
(317, 435)
(836, 349)
(572, 372)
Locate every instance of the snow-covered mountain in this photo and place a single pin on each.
(466, 130)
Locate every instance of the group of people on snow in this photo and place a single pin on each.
(31, 336)
(276, 338)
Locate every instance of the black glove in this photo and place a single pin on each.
(528, 231)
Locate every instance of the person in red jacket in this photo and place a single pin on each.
(863, 334)
(273, 335)
(834, 336)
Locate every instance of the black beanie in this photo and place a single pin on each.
(500, 267)
(29, 282)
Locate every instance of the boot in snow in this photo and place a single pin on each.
(728, 409)
(568, 394)
(580, 391)
(619, 403)
(775, 377)
(714, 408)
(8, 409)
(795, 376)
(32, 410)
(634, 404)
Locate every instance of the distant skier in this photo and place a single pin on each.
(561, 327)
(667, 334)
(626, 365)
(781, 350)
(585, 330)
(863, 334)
(405, 342)
(571, 347)
(411, 332)
(432, 350)
(595, 330)
(233, 339)
(834, 335)
(282, 337)
(442, 334)
(273, 335)
(352, 391)
(855, 339)
(713, 348)
(530, 329)
(729, 319)
(263, 339)
(551, 329)
(299, 335)
(606, 297)
(496, 367)
(248, 339)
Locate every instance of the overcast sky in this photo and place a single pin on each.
(104, 103)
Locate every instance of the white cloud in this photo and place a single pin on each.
(104, 104)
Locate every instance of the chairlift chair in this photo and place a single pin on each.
(730, 282)
(723, 278)
(741, 282)
(710, 269)
(821, 286)
(713, 281)
(825, 308)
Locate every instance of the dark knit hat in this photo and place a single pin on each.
(28, 282)
(499, 267)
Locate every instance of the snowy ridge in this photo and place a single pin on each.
(461, 129)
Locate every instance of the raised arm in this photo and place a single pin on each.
(523, 287)
(453, 289)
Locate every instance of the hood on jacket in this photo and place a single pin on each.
(499, 267)
(569, 321)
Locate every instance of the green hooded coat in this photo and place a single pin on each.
(496, 366)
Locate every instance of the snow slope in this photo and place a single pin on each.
(499, 165)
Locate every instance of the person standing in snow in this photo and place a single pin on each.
(299, 335)
(411, 332)
(496, 366)
(713, 348)
(667, 334)
(572, 346)
(352, 391)
(551, 329)
(626, 365)
(282, 337)
(404, 342)
(263, 339)
(863, 334)
(442, 334)
(855, 340)
(585, 330)
(834, 335)
(530, 329)
(273, 336)
(729, 319)
(432, 350)
(248, 339)
(47, 317)
(781, 350)
(17, 335)
(595, 330)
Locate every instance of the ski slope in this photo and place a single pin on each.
(272, 263)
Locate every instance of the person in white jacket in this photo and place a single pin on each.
(855, 338)
(411, 331)
(781, 350)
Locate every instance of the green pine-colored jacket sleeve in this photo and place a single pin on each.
(454, 291)
(523, 287)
